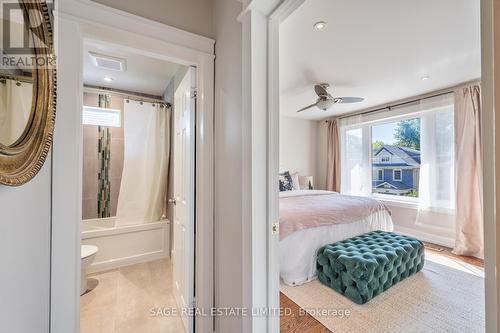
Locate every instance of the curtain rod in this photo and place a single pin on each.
(20, 78)
(127, 94)
(438, 93)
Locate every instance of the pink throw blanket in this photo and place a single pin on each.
(322, 209)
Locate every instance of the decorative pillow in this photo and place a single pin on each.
(286, 182)
(295, 181)
(306, 182)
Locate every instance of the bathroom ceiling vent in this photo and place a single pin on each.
(108, 62)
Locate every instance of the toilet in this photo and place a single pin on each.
(88, 256)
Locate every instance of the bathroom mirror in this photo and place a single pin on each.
(27, 89)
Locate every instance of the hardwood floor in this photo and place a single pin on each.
(295, 322)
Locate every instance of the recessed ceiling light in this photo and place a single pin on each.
(425, 78)
(320, 25)
(108, 79)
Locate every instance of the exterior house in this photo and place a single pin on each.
(395, 170)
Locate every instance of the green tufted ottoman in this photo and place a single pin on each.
(362, 267)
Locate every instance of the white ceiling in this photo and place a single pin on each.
(143, 75)
(379, 50)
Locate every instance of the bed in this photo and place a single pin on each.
(310, 219)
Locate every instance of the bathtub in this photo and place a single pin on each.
(125, 245)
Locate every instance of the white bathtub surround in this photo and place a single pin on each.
(88, 255)
(145, 167)
(122, 245)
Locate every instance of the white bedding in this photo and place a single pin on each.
(298, 250)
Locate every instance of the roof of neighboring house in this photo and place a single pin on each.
(410, 156)
(394, 184)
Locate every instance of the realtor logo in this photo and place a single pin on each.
(22, 34)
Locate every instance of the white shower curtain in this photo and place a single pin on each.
(15, 109)
(144, 181)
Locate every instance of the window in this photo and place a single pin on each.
(405, 153)
(397, 175)
(101, 116)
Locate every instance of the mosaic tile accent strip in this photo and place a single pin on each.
(104, 158)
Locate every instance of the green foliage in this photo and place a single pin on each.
(413, 193)
(407, 133)
(377, 145)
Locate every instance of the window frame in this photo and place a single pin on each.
(365, 125)
(380, 172)
(400, 175)
(113, 123)
(366, 128)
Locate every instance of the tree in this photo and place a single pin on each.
(407, 133)
(377, 145)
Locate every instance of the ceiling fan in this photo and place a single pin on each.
(325, 100)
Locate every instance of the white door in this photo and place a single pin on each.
(184, 182)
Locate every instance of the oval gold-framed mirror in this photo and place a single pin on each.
(27, 89)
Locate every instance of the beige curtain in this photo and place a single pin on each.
(333, 157)
(469, 190)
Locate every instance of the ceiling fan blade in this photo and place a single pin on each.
(345, 100)
(320, 90)
(307, 107)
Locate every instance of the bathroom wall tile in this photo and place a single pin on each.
(90, 141)
(89, 208)
(117, 103)
(115, 192)
(117, 157)
(90, 99)
(90, 175)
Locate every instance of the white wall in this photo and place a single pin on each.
(298, 151)
(303, 145)
(228, 162)
(190, 15)
(25, 255)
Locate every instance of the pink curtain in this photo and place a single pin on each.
(333, 157)
(469, 189)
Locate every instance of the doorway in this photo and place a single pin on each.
(138, 199)
(275, 19)
(168, 45)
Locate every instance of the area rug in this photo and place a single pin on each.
(437, 299)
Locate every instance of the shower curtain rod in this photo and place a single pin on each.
(127, 95)
(412, 100)
(20, 78)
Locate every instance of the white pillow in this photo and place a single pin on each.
(306, 182)
(295, 181)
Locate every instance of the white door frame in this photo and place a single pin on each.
(260, 23)
(76, 20)
(490, 62)
(260, 20)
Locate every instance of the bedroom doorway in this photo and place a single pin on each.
(377, 138)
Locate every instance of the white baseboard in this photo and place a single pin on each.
(425, 236)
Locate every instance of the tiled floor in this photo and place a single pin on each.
(124, 298)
